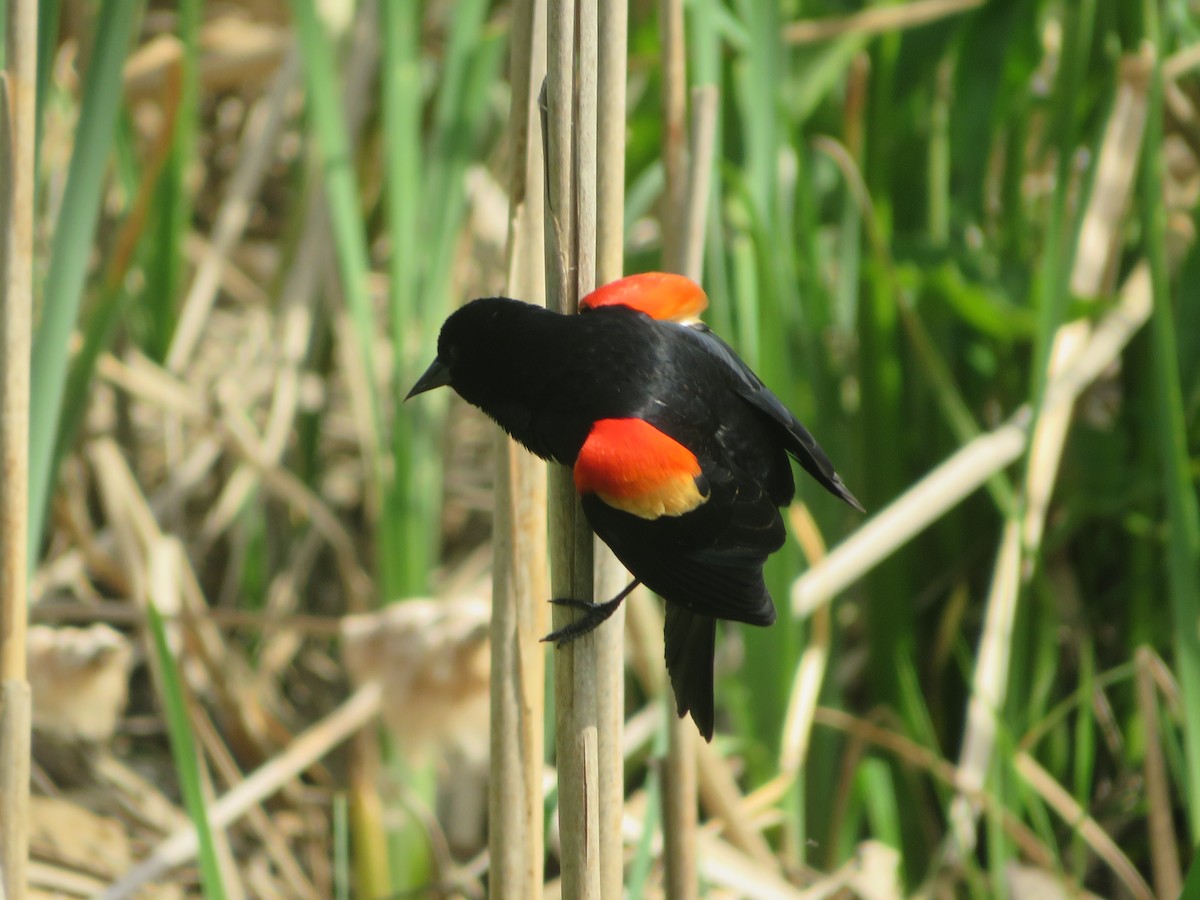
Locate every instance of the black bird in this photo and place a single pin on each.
(679, 451)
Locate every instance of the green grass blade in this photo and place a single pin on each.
(187, 761)
(472, 65)
(412, 501)
(643, 857)
(1191, 886)
(48, 17)
(425, 207)
(1053, 291)
(1085, 740)
(401, 86)
(341, 188)
(879, 801)
(71, 248)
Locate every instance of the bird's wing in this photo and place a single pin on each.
(693, 534)
(797, 439)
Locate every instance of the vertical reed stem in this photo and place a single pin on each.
(519, 581)
(683, 251)
(610, 575)
(576, 737)
(17, 102)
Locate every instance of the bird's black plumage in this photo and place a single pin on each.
(547, 379)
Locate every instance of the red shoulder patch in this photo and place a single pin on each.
(660, 295)
(632, 466)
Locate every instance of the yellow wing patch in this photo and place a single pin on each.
(634, 467)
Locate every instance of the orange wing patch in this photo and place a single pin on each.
(660, 295)
(632, 466)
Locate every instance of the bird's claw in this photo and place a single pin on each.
(574, 603)
(593, 615)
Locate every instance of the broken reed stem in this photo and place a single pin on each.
(610, 575)
(17, 104)
(519, 584)
(576, 737)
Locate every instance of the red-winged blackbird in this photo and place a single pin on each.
(679, 451)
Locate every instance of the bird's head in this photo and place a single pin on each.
(476, 353)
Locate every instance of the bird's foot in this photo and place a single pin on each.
(593, 615)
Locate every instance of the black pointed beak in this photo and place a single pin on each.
(437, 375)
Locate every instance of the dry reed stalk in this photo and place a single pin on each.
(575, 674)
(610, 575)
(726, 868)
(877, 20)
(702, 148)
(114, 612)
(679, 816)
(1060, 800)
(236, 52)
(987, 688)
(1164, 847)
(1181, 62)
(17, 99)
(519, 584)
(722, 799)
